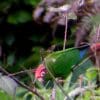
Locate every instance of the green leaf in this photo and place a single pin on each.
(28, 96)
(97, 91)
(59, 94)
(87, 95)
(21, 92)
(19, 17)
(60, 63)
(91, 73)
(4, 96)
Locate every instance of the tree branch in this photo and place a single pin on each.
(22, 84)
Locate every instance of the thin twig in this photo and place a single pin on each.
(22, 84)
(65, 34)
(21, 72)
(60, 87)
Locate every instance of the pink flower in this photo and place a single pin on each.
(40, 72)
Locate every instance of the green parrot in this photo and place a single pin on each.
(61, 63)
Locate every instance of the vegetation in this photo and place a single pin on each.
(49, 51)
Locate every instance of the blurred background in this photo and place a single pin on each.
(26, 28)
(20, 36)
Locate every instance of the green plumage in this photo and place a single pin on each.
(60, 63)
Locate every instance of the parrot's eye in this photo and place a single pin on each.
(81, 3)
